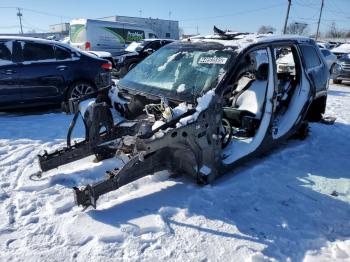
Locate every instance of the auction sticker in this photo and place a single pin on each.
(213, 60)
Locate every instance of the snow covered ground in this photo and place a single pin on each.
(290, 205)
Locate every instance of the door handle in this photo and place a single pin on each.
(9, 72)
(61, 67)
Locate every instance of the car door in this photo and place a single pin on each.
(10, 91)
(40, 76)
(315, 68)
(67, 64)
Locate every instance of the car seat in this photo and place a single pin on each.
(248, 105)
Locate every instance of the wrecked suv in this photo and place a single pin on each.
(200, 107)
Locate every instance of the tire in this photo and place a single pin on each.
(317, 109)
(80, 88)
(303, 131)
(337, 81)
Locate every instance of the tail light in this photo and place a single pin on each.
(87, 46)
(107, 66)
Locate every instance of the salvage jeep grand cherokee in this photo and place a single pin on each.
(199, 107)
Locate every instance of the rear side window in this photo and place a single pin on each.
(310, 56)
(5, 52)
(37, 52)
(325, 52)
(62, 54)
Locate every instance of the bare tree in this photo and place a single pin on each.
(297, 28)
(266, 29)
(347, 34)
(335, 32)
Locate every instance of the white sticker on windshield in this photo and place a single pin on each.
(213, 60)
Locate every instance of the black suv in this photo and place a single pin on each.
(136, 52)
(40, 72)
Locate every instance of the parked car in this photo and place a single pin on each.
(106, 56)
(136, 52)
(341, 50)
(200, 107)
(341, 71)
(286, 63)
(331, 59)
(323, 45)
(42, 72)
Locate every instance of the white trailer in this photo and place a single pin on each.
(112, 37)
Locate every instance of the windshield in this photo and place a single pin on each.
(77, 33)
(182, 71)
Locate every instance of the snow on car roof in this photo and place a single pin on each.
(244, 40)
(344, 48)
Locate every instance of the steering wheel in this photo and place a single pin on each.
(226, 133)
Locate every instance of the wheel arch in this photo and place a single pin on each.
(69, 86)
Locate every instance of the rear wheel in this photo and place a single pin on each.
(79, 89)
(303, 131)
(337, 81)
(317, 109)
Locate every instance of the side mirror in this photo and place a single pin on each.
(149, 51)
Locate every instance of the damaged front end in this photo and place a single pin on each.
(166, 116)
(183, 139)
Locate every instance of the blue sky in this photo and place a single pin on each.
(240, 15)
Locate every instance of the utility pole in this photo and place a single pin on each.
(287, 16)
(319, 20)
(19, 14)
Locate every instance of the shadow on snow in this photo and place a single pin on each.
(271, 200)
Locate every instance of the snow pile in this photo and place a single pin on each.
(170, 58)
(157, 124)
(83, 105)
(202, 104)
(292, 205)
(114, 96)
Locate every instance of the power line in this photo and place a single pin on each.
(36, 11)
